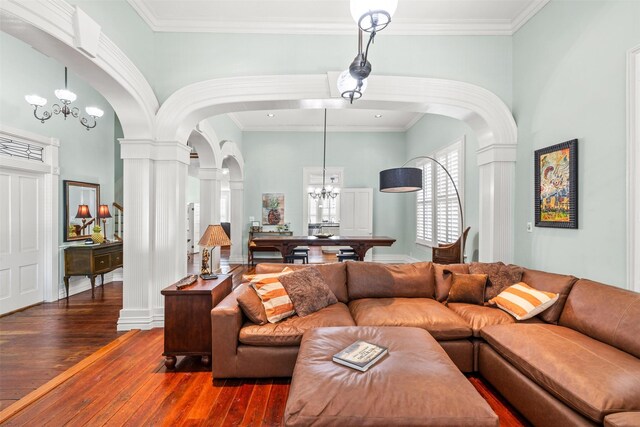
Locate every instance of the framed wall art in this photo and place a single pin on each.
(272, 208)
(556, 185)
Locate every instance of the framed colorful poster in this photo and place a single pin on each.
(272, 208)
(556, 185)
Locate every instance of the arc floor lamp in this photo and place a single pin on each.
(408, 179)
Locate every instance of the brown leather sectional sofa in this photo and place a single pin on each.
(577, 363)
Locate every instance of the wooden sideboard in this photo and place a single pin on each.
(187, 318)
(253, 248)
(90, 261)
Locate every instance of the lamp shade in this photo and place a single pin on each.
(83, 212)
(373, 14)
(103, 211)
(214, 235)
(400, 180)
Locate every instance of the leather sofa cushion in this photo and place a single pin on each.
(559, 284)
(415, 384)
(478, 316)
(444, 278)
(592, 377)
(622, 419)
(375, 280)
(251, 304)
(606, 313)
(335, 274)
(425, 313)
(289, 331)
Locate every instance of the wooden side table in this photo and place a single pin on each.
(90, 261)
(187, 318)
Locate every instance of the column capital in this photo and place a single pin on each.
(497, 153)
(210, 173)
(154, 150)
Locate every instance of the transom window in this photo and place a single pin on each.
(437, 211)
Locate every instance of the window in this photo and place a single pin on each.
(437, 211)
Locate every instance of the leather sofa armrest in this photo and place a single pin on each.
(622, 419)
(226, 321)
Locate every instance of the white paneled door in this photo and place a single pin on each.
(21, 252)
(356, 212)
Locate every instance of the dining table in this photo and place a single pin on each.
(359, 244)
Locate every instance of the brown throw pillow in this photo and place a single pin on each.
(501, 276)
(251, 305)
(308, 291)
(443, 278)
(467, 288)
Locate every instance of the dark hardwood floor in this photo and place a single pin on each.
(125, 382)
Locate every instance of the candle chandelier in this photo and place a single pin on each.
(371, 16)
(66, 97)
(330, 191)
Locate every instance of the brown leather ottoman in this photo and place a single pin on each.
(415, 384)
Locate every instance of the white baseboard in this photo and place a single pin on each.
(393, 259)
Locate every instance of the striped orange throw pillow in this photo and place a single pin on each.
(276, 301)
(523, 302)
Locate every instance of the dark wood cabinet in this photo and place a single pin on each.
(187, 318)
(90, 261)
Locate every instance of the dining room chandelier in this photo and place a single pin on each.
(371, 16)
(66, 97)
(327, 191)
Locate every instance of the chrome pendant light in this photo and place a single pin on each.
(371, 16)
(330, 191)
(66, 97)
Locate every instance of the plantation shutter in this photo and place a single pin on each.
(437, 211)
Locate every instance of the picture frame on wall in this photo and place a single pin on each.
(556, 185)
(272, 209)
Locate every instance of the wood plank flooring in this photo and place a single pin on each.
(129, 385)
(126, 382)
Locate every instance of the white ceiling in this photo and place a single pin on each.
(343, 120)
(486, 17)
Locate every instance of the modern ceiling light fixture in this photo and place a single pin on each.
(66, 97)
(371, 16)
(330, 191)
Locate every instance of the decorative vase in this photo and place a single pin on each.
(97, 236)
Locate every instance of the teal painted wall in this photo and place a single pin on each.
(429, 135)
(122, 24)
(83, 155)
(570, 82)
(274, 163)
(184, 58)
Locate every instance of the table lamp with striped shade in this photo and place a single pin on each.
(213, 236)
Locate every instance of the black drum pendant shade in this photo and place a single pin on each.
(401, 180)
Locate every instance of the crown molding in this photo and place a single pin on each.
(458, 27)
(526, 14)
(319, 128)
(234, 118)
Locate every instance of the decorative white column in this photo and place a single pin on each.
(170, 226)
(210, 189)
(138, 221)
(237, 221)
(155, 235)
(497, 182)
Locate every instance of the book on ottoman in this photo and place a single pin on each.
(360, 355)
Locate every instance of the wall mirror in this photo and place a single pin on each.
(81, 201)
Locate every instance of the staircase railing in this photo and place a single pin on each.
(118, 221)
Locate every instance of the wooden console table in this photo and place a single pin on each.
(360, 245)
(251, 247)
(187, 318)
(90, 261)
